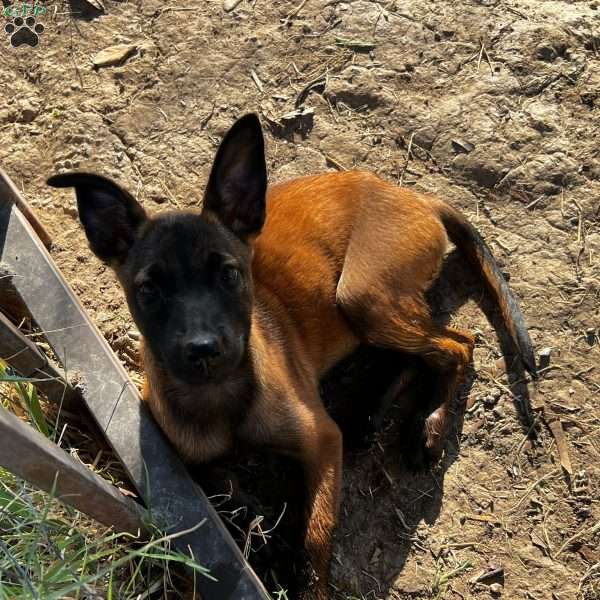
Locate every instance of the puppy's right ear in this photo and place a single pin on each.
(110, 215)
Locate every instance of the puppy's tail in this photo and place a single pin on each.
(468, 240)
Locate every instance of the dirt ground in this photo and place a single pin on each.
(491, 104)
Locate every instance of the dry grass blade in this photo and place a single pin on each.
(354, 44)
(257, 81)
(583, 531)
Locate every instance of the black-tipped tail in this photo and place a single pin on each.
(472, 245)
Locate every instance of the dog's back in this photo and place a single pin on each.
(315, 225)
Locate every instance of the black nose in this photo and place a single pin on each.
(201, 348)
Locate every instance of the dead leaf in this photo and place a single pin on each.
(561, 445)
(462, 146)
(590, 554)
(536, 540)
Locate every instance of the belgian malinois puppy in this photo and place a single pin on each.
(244, 304)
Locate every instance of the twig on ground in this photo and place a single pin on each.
(294, 13)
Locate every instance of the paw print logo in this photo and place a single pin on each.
(24, 31)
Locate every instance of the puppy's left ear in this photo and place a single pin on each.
(238, 180)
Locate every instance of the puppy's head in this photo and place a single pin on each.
(186, 275)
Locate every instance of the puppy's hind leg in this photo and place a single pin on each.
(404, 323)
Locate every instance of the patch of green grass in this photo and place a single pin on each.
(443, 578)
(21, 389)
(52, 552)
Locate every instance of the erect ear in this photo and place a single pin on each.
(109, 214)
(238, 180)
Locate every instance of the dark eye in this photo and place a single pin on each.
(230, 276)
(148, 291)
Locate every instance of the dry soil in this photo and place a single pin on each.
(490, 104)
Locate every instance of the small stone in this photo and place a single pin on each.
(545, 354)
(134, 334)
(145, 46)
(498, 413)
(155, 193)
(490, 400)
(69, 210)
(28, 112)
(229, 5)
(113, 55)
(496, 589)
(584, 512)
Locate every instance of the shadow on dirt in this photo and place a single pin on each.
(384, 501)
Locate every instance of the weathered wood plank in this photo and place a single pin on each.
(29, 455)
(9, 191)
(29, 361)
(150, 461)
